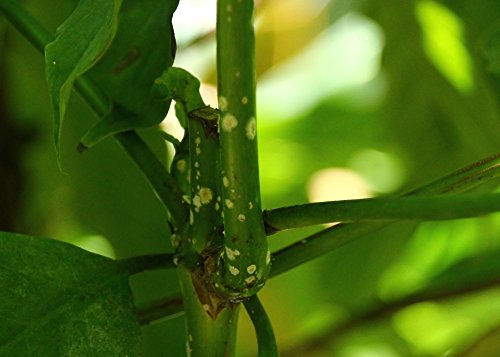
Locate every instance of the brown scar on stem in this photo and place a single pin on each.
(208, 296)
(210, 126)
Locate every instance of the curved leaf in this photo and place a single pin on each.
(143, 48)
(59, 300)
(80, 41)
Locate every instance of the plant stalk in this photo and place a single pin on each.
(245, 263)
(334, 237)
(433, 208)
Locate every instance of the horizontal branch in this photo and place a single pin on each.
(382, 209)
(334, 237)
(165, 308)
(143, 263)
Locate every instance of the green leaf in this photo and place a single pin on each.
(491, 51)
(476, 271)
(80, 41)
(143, 48)
(59, 300)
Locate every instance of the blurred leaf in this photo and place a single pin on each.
(492, 52)
(482, 269)
(143, 48)
(56, 292)
(79, 43)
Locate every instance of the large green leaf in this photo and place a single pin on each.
(80, 41)
(59, 300)
(143, 48)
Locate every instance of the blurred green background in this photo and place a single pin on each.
(356, 98)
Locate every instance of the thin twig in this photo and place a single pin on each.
(166, 308)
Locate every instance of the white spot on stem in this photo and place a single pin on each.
(229, 203)
(251, 128)
(232, 254)
(225, 181)
(250, 279)
(235, 271)
(206, 195)
(197, 202)
(229, 122)
(223, 103)
(241, 217)
(251, 269)
(244, 100)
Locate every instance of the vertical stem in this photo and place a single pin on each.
(263, 329)
(244, 265)
(209, 332)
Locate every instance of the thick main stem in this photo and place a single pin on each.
(210, 332)
(245, 262)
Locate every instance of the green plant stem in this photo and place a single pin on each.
(205, 218)
(143, 263)
(160, 180)
(265, 335)
(335, 237)
(245, 263)
(25, 24)
(163, 184)
(463, 179)
(382, 209)
(332, 238)
(166, 308)
(211, 328)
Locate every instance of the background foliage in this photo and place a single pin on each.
(362, 98)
